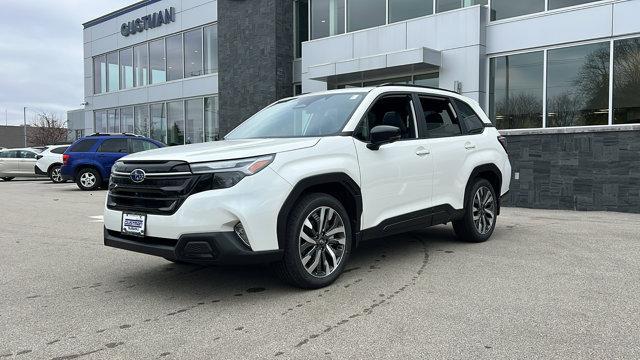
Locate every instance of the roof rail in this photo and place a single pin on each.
(112, 134)
(419, 86)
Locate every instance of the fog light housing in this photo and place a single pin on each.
(239, 229)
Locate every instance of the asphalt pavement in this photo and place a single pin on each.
(549, 284)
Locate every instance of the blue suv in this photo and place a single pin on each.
(88, 161)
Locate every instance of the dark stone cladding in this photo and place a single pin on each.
(255, 55)
(597, 171)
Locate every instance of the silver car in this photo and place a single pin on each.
(18, 163)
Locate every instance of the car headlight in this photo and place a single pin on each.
(227, 173)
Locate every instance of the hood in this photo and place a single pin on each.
(224, 149)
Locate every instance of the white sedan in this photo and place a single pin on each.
(18, 163)
(49, 162)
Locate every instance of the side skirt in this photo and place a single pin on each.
(416, 220)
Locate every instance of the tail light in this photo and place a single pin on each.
(65, 159)
(503, 142)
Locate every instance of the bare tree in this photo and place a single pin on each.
(46, 130)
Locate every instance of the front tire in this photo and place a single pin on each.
(7, 178)
(318, 242)
(89, 179)
(480, 213)
(55, 175)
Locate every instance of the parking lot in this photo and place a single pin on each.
(549, 284)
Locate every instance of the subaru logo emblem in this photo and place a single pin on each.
(137, 175)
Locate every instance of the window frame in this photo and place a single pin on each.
(373, 103)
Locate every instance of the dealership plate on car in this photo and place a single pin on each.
(134, 224)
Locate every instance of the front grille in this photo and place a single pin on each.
(161, 195)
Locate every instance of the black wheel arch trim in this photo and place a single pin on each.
(52, 166)
(483, 169)
(301, 186)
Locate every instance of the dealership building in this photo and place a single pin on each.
(560, 78)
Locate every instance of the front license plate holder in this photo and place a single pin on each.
(134, 224)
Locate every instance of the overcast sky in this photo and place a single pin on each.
(41, 63)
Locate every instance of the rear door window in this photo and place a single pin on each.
(114, 146)
(84, 145)
(440, 117)
(138, 145)
(469, 118)
(24, 154)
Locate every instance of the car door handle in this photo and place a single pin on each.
(422, 151)
(469, 146)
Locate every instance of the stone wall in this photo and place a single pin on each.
(255, 54)
(577, 171)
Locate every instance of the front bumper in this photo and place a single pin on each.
(255, 202)
(221, 248)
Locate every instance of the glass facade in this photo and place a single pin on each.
(141, 120)
(211, 125)
(157, 62)
(407, 9)
(578, 85)
(174, 57)
(327, 18)
(211, 49)
(158, 126)
(301, 25)
(176, 122)
(447, 5)
(192, 53)
(363, 14)
(194, 124)
(428, 79)
(626, 81)
(113, 78)
(515, 92)
(578, 90)
(502, 9)
(126, 120)
(126, 68)
(99, 74)
(557, 4)
(141, 64)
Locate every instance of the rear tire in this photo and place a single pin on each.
(55, 175)
(88, 179)
(480, 213)
(7, 178)
(317, 244)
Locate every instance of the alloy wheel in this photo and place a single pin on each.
(484, 210)
(55, 175)
(322, 241)
(87, 179)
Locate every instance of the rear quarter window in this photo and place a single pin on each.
(83, 145)
(471, 120)
(59, 150)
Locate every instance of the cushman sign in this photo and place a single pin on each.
(148, 22)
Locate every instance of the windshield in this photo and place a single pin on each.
(305, 116)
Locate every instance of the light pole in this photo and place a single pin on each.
(24, 118)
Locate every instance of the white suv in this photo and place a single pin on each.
(302, 182)
(49, 162)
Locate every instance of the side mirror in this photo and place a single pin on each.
(38, 157)
(383, 134)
